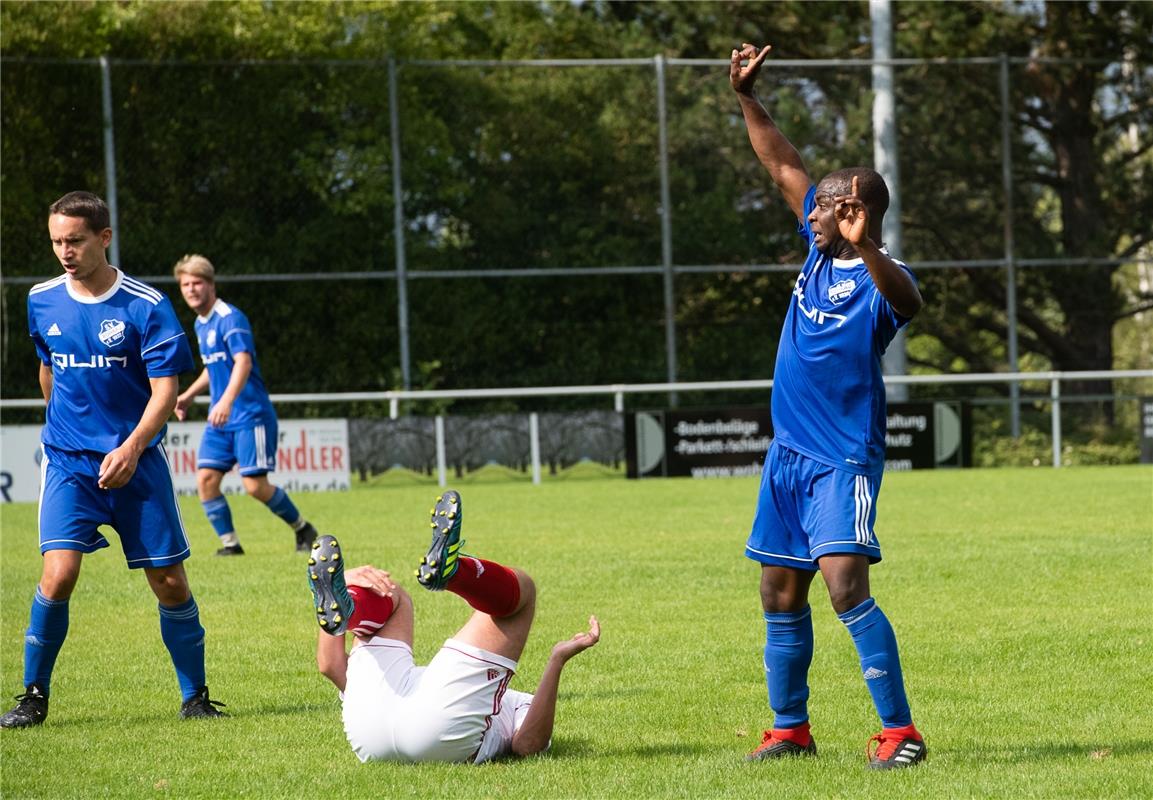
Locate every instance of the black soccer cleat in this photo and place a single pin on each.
(31, 710)
(199, 706)
(771, 747)
(330, 595)
(440, 562)
(305, 537)
(230, 550)
(896, 748)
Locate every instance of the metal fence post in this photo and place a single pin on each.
(666, 230)
(1055, 397)
(398, 226)
(110, 160)
(534, 445)
(441, 461)
(1010, 262)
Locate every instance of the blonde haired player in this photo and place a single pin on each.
(458, 708)
(242, 426)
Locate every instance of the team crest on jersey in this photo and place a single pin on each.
(112, 332)
(839, 292)
(210, 339)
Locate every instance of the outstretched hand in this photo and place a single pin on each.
(579, 642)
(852, 216)
(743, 78)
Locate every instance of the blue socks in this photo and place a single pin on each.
(184, 637)
(788, 654)
(47, 628)
(219, 514)
(877, 647)
(280, 505)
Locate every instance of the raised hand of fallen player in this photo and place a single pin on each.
(579, 642)
(852, 216)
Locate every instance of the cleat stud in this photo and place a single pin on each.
(337, 618)
(314, 577)
(432, 563)
(416, 572)
(336, 556)
(432, 524)
(315, 545)
(320, 609)
(324, 558)
(312, 562)
(331, 570)
(452, 515)
(334, 606)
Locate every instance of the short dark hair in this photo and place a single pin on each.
(870, 187)
(85, 205)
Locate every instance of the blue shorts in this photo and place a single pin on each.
(143, 512)
(253, 448)
(807, 509)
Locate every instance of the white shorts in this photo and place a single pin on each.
(450, 710)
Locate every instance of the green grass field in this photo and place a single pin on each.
(1021, 599)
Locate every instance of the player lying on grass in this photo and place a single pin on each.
(459, 707)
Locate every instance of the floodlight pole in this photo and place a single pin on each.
(398, 226)
(885, 158)
(666, 231)
(110, 160)
(1010, 263)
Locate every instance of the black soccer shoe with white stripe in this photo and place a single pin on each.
(896, 748)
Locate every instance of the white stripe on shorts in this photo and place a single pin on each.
(864, 505)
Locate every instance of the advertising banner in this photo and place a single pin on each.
(731, 442)
(311, 456)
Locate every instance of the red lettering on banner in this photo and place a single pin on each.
(301, 456)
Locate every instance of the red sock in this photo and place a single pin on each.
(486, 586)
(798, 735)
(370, 611)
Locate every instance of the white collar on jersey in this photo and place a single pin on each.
(219, 308)
(84, 298)
(848, 263)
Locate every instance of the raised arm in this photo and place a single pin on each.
(535, 732)
(774, 150)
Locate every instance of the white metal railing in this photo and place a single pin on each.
(619, 390)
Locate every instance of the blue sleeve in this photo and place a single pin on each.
(236, 333)
(803, 229)
(37, 340)
(886, 320)
(163, 344)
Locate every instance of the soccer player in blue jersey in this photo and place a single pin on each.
(817, 501)
(110, 349)
(242, 426)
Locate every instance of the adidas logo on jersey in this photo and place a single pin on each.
(872, 673)
(54, 330)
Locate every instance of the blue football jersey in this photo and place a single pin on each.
(828, 395)
(102, 351)
(221, 334)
